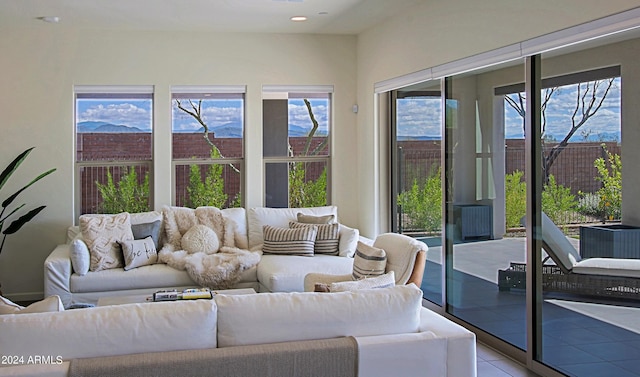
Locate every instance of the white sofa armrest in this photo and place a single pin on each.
(461, 343)
(57, 274)
(409, 354)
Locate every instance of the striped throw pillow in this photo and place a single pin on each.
(288, 241)
(327, 239)
(368, 261)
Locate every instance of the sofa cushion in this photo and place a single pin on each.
(368, 261)
(258, 217)
(285, 273)
(287, 241)
(102, 233)
(112, 330)
(117, 279)
(138, 253)
(281, 317)
(49, 304)
(327, 238)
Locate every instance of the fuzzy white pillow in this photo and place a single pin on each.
(200, 239)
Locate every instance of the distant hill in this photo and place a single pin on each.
(418, 138)
(234, 129)
(104, 127)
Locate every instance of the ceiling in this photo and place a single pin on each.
(255, 16)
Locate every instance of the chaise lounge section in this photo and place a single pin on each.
(378, 332)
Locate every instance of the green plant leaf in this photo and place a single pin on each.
(13, 166)
(10, 199)
(17, 224)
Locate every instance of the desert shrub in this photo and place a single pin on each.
(515, 198)
(422, 204)
(128, 195)
(209, 192)
(306, 192)
(610, 175)
(558, 202)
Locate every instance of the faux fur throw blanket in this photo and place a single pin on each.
(214, 269)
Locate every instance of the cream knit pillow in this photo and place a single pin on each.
(101, 234)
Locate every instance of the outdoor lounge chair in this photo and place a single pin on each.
(608, 277)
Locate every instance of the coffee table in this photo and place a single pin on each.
(147, 297)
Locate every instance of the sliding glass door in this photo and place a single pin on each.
(531, 177)
(416, 137)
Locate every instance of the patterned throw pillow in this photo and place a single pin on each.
(139, 253)
(102, 233)
(368, 261)
(289, 241)
(327, 239)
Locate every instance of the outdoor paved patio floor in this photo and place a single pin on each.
(599, 338)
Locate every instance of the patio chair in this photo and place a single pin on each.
(609, 277)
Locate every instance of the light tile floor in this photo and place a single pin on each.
(491, 363)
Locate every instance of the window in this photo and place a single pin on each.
(114, 129)
(208, 134)
(296, 148)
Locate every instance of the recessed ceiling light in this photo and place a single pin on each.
(298, 18)
(50, 19)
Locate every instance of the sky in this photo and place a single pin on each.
(138, 113)
(132, 113)
(421, 117)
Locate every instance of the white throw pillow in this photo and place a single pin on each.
(289, 241)
(327, 238)
(348, 241)
(200, 239)
(102, 233)
(49, 304)
(80, 257)
(139, 253)
(368, 261)
(383, 281)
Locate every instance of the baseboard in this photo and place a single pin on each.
(25, 296)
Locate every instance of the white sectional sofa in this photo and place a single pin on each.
(274, 273)
(266, 334)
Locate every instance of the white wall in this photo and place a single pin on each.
(438, 32)
(39, 67)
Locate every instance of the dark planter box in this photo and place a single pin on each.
(610, 241)
(474, 221)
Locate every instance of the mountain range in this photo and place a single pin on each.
(228, 130)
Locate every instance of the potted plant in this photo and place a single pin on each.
(15, 225)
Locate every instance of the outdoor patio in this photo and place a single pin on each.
(581, 335)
